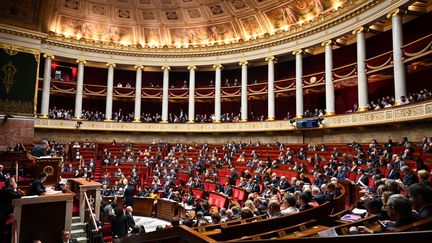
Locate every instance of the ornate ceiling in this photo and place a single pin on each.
(158, 23)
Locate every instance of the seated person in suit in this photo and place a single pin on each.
(290, 205)
(421, 198)
(399, 211)
(304, 200)
(409, 176)
(66, 237)
(37, 187)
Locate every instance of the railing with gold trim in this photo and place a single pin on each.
(413, 112)
(412, 51)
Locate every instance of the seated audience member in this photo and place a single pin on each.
(274, 209)
(400, 212)
(421, 198)
(3, 176)
(304, 200)
(374, 206)
(424, 177)
(66, 237)
(409, 176)
(246, 213)
(216, 218)
(7, 195)
(393, 173)
(290, 205)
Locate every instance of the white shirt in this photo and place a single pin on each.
(290, 210)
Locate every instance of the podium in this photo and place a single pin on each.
(81, 187)
(166, 209)
(143, 206)
(42, 217)
(51, 166)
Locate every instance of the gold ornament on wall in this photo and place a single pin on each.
(9, 71)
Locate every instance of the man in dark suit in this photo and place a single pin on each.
(421, 198)
(7, 195)
(233, 177)
(228, 190)
(40, 149)
(2, 175)
(66, 237)
(362, 178)
(409, 176)
(129, 218)
(37, 187)
(119, 224)
(393, 173)
(129, 194)
(284, 184)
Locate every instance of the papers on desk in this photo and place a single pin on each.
(50, 192)
(328, 233)
(30, 196)
(350, 217)
(359, 211)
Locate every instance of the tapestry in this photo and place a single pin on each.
(19, 70)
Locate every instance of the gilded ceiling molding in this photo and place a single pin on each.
(108, 65)
(327, 43)
(358, 30)
(243, 63)
(298, 52)
(50, 56)
(272, 58)
(217, 66)
(139, 67)
(80, 61)
(166, 68)
(192, 67)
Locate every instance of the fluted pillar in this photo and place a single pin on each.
(270, 88)
(362, 82)
(329, 88)
(46, 86)
(244, 98)
(191, 109)
(299, 83)
(109, 95)
(165, 94)
(79, 89)
(138, 84)
(398, 65)
(218, 80)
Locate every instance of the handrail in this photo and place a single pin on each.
(418, 40)
(91, 211)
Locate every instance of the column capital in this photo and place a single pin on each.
(327, 43)
(80, 61)
(113, 65)
(394, 12)
(297, 52)
(217, 66)
(358, 30)
(139, 67)
(166, 68)
(271, 58)
(243, 63)
(192, 67)
(47, 55)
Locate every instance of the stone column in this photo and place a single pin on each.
(398, 65)
(109, 96)
(138, 84)
(270, 88)
(361, 69)
(46, 85)
(218, 80)
(191, 109)
(329, 88)
(244, 98)
(79, 89)
(299, 83)
(165, 94)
